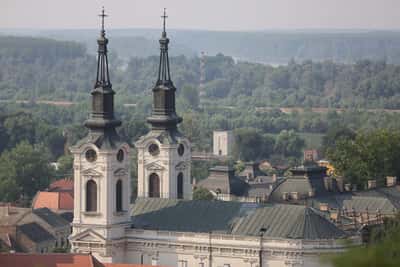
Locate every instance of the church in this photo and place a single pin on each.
(164, 226)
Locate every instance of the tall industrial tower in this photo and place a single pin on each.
(202, 75)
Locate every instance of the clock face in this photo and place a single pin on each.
(91, 155)
(181, 149)
(120, 155)
(154, 150)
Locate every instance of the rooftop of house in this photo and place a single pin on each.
(66, 184)
(11, 215)
(386, 200)
(50, 217)
(56, 260)
(236, 218)
(35, 232)
(53, 200)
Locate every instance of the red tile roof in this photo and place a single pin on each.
(53, 200)
(55, 260)
(66, 184)
(45, 260)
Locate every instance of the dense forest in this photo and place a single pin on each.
(272, 47)
(47, 69)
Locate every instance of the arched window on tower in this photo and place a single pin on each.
(180, 185)
(118, 195)
(91, 196)
(154, 185)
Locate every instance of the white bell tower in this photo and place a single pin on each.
(164, 154)
(102, 184)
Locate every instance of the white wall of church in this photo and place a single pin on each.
(167, 165)
(193, 249)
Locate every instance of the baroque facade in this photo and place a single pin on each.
(164, 226)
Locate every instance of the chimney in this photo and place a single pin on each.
(391, 181)
(274, 177)
(334, 215)
(323, 206)
(311, 193)
(339, 183)
(347, 187)
(371, 184)
(328, 183)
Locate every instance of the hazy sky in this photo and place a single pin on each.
(203, 14)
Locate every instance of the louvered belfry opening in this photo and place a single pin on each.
(91, 196)
(118, 195)
(180, 186)
(154, 185)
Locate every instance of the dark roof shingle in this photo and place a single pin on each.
(35, 232)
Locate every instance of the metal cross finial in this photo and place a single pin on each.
(164, 17)
(102, 15)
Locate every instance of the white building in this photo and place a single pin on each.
(223, 143)
(164, 226)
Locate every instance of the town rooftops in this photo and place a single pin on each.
(35, 232)
(53, 200)
(66, 184)
(236, 218)
(50, 217)
(55, 260)
(222, 179)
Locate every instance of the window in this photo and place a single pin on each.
(118, 195)
(180, 185)
(154, 262)
(182, 263)
(91, 196)
(154, 150)
(227, 265)
(120, 155)
(91, 155)
(154, 185)
(181, 149)
(62, 242)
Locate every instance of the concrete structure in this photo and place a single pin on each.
(164, 226)
(223, 143)
(102, 184)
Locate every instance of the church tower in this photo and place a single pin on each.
(102, 185)
(164, 154)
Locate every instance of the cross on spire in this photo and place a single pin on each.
(164, 17)
(102, 15)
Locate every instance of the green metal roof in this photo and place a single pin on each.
(279, 220)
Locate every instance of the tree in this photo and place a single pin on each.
(65, 166)
(382, 251)
(23, 171)
(289, 144)
(201, 193)
(371, 155)
(190, 95)
(248, 144)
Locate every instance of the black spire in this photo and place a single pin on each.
(164, 116)
(102, 115)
